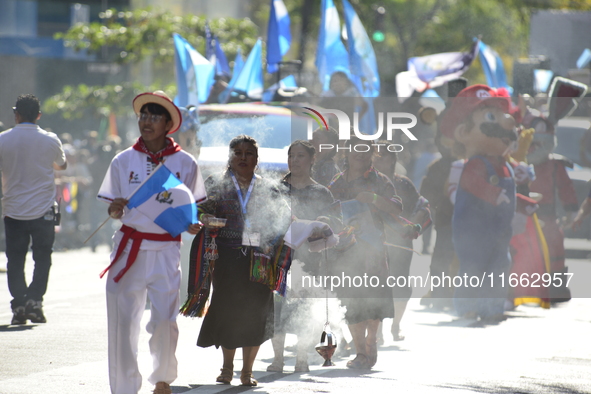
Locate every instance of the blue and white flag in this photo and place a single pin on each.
(278, 35)
(493, 68)
(221, 61)
(250, 79)
(215, 54)
(331, 54)
(166, 200)
(439, 68)
(584, 59)
(362, 57)
(238, 65)
(194, 74)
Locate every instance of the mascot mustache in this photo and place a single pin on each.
(495, 130)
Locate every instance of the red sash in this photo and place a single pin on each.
(137, 237)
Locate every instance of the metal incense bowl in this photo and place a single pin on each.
(327, 347)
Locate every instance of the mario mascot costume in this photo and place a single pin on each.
(479, 122)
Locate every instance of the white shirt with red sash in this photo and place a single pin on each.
(155, 271)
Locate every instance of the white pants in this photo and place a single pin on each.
(156, 272)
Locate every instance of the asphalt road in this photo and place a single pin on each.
(533, 351)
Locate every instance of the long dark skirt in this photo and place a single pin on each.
(241, 311)
(364, 302)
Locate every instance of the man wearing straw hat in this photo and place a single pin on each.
(145, 258)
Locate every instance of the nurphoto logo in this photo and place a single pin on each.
(392, 122)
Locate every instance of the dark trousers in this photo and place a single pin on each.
(19, 234)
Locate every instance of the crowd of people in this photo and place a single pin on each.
(487, 191)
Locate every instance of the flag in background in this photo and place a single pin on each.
(492, 66)
(194, 74)
(238, 65)
(250, 79)
(362, 57)
(364, 66)
(331, 54)
(584, 59)
(406, 83)
(221, 61)
(439, 68)
(166, 200)
(278, 35)
(215, 54)
(209, 52)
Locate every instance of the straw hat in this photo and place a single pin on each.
(159, 97)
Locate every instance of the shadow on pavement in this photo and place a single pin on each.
(553, 388)
(347, 373)
(219, 388)
(9, 327)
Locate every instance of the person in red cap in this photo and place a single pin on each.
(479, 122)
(155, 272)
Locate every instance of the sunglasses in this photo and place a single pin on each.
(142, 117)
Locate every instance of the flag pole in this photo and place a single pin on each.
(128, 197)
(96, 231)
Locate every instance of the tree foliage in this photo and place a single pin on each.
(411, 27)
(82, 101)
(131, 36)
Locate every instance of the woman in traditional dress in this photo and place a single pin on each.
(309, 200)
(241, 310)
(367, 305)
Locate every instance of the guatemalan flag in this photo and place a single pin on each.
(435, 70)
(238, 65)
(364, 66)
(194, 74)
(492, 66)
(215, 54)
(331, 54)
(362, 57)
(166, 200)
(278, 35)
(221, 61)
(250, 80)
